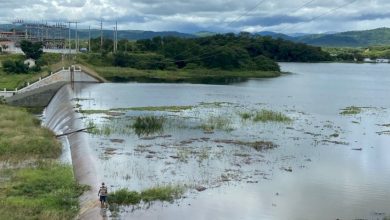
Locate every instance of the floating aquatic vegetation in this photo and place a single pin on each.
(245, 115)
(217, 123)
(159, 193)
(270, 116)
(351, 110)
(147, 125)
(257, 145)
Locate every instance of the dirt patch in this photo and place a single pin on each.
(120, 141)
(110, 151)
(383, 132)
(114, 114)
(155, 137)
(312, 134)
(335, 142)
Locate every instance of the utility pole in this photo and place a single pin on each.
(113, 48)
(70, 46)
(47, 31)
(89, 39)
(76, 39)
(115, 38)
(101, 35)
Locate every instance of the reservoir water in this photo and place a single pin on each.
(322, 164)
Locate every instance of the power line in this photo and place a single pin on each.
(321, 15)
(299, 8)
(230, 23)
(208, 55)
(304, 5)
(199, 57)
(246, 13)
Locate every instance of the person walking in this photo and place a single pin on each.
(103, 195)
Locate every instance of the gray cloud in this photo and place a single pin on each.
(215, 15)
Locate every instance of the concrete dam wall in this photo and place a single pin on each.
(60, 117)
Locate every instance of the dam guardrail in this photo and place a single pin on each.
(39, 93)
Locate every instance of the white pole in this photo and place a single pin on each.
(76, 39)
(70, 46)
(116, 36)
(89, 39)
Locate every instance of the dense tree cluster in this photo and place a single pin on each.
(232, 51)
(32, 50)
(224, 51)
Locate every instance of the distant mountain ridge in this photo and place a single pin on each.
(132, 34)
(122, 34)
(379, 36)
(374, 37)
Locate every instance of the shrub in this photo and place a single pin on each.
(123, 196)
(48, 59)
(17, 66)
(32, 50)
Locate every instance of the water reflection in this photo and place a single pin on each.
(200, 80)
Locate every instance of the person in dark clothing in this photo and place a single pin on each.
(103, 194)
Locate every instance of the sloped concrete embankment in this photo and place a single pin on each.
(61, 118)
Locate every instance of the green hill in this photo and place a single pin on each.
(379, 36)
(205, 34)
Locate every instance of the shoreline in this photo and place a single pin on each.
(204, 76)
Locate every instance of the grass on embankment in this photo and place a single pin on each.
(119, 74)
(35, 186)
(21, 136)
(47, 191)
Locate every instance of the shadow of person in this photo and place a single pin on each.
(103, 212)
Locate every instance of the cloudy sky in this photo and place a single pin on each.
(287, 16)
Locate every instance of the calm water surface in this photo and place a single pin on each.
(329, 179)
